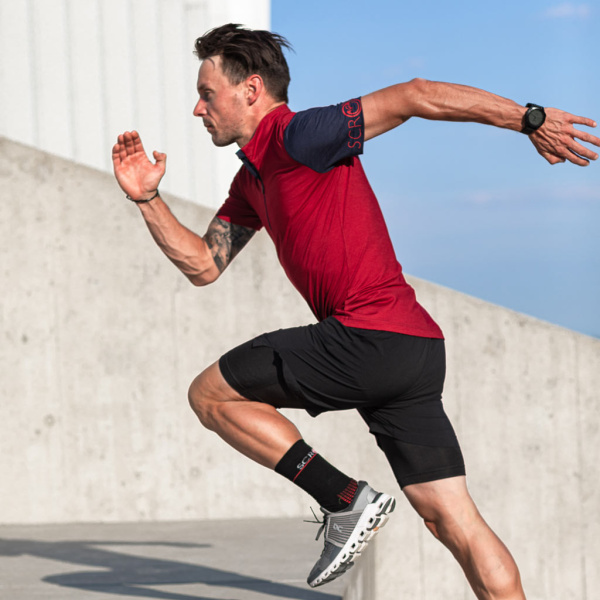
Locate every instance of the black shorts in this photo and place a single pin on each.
(395, 381)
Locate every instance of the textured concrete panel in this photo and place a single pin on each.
(523, 395)
(101, 336)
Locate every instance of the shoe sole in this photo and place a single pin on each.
(374, 517)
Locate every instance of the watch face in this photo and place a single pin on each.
(535, 117)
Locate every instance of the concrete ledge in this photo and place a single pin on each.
(196, 560)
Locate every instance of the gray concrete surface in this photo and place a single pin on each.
(524, 397)
(230, 560)
(101, 337)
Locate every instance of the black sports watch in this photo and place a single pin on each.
(533, 119)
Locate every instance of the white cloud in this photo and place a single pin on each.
(562, 194)
(568, 10)
(480, 197)
(578, 193)
(410, 66)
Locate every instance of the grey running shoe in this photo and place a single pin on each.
(348, 531)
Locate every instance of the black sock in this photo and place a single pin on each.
(332, 489)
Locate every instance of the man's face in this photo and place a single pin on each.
(221, 104)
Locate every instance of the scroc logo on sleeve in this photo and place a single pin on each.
(353, 110)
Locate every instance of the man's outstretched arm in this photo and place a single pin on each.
(555, 140)
(200, 259)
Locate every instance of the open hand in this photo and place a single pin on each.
(556, 139)
(135, 173)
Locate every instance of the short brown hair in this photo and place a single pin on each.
(246, 52)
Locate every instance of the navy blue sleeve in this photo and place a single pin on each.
(321, 137)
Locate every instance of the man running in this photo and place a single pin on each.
(374, 347)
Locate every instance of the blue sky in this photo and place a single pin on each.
(470, 207)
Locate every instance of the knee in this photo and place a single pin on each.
(433, 528)
(434, 520)
(202, 400)
(445, 506)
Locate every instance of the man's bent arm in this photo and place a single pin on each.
(201, 260)
(555, 140)
(225, 241)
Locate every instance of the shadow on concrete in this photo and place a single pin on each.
(127, 575)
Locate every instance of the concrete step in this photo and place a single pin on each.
(207, 560)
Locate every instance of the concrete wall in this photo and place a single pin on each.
(524, 398)
(101, 337)
(76, 73)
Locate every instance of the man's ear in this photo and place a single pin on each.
(255, 87)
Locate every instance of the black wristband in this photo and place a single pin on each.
(143, 201)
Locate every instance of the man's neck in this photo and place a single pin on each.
(259, 115)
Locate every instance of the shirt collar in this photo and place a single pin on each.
(251, 154)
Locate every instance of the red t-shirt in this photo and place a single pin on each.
(303, 181)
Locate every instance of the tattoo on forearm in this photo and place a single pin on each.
(225, 240)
